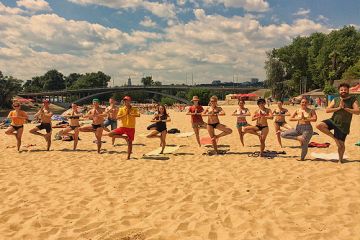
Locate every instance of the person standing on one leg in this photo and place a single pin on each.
(97, 115)
(213, 112)
(241, 113)
(74, 117)
(127, 115)
(303, 131)
(111, 120)
(44, 114)
(280, 122)
(159, 129)
(261, 117)
(343, 108)
(197, 121)
(18, 118)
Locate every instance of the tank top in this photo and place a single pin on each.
(342, 119)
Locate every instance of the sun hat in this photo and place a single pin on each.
(195, 98)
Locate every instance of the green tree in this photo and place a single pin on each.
(352, 72)
(157, 83)
(275, 74)
(71, 79)
(203, 93)
(9, 87)
(167, 101)
(147, 81)
(91, 80)
(53, 80)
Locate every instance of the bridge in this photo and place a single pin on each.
(85, 95)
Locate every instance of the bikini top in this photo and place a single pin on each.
(240, 111)
(281, 112)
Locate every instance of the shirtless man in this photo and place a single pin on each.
(97, 115)
(343, 108)
(111, 120)
(261, 116)
(44, 114)
(74, 117)
(213, 112)
(18, 118)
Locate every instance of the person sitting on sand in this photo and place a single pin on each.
(343, 108)
(213, 112)
(280, 122)
(197, 121)
(303, 131)
(241, 113)
(111, 120)
(18, 118)
(97, 115)
(160, 129)
(127, 115)
(261, 117)
(44, 115)
(74, 125)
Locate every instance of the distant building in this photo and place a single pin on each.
(216, 82)
(129, 81)
(254, 80)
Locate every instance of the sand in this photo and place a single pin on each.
(63, 194)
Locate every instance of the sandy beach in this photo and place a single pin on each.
(186, 195)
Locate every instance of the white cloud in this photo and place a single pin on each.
(210, 46)
(302, 12)
(160, 9)
(248, 5)
(147, 22)
(8, 10)
(34, 5)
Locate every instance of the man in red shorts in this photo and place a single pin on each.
(127, 115)
(197, 121)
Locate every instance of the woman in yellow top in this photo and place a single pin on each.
(18, 118)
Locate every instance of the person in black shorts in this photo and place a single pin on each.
(44, 115)
(343, 108)
(159, 128)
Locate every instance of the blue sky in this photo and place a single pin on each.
(211, 39)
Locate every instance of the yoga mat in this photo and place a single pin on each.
(167, 150)
(327, 156)
(185, 134)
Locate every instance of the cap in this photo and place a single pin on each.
(95, 100)
(127, 98)
(195, 98)
(46, 101)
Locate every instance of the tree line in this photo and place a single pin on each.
(314, 62)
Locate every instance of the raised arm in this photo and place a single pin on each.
(313, 117)
(355, 109)
(331, 108)
(294, 117)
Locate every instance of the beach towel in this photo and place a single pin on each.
(173, 131)
(167, 150)
(319, 145)
(327, 156)
(185, 134)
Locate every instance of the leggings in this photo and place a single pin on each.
(306, 131)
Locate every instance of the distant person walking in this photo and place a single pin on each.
(343, 108)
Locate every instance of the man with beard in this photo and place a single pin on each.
(343, 108)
